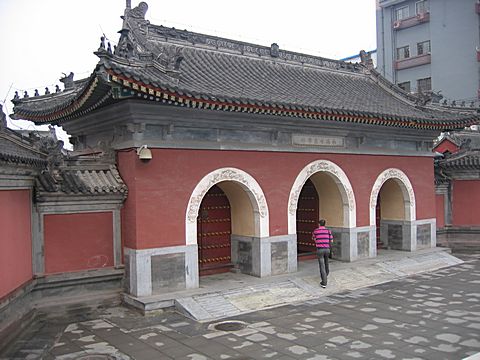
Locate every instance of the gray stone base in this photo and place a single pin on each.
(459, 239)
(353, 244)
(265, 256)
(408, 235)
(152, 271)
(360, 243)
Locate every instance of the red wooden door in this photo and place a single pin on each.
(378, 219)
(307, 219)
(213, 233)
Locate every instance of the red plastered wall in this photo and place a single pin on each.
(76, 242)
(465, 203)
(163, 186)
(15, 240)
(446, 145)
(440, 210)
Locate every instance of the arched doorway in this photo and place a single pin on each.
(390, 213)
(248, 220)
(213, 233)
(322, 190)
(392, 210)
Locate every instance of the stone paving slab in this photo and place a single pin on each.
(303, 287)
(426, 316)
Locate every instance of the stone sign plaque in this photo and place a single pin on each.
(317, 140)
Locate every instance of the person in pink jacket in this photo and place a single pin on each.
(323, 239)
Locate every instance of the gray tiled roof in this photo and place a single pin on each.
(15, 149)
(83, 182)
(198, 66)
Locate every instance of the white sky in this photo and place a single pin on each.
(40, 39)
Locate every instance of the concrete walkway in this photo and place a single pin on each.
(231, 294)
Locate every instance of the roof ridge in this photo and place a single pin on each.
(238, 47)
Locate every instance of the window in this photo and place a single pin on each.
(403, 52)
(404, 86)
(423, 47)
(424, 84)
(421, 7)
(401, 13)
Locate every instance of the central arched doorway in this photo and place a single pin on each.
(323, 188)
(320, 198)
(214, 229)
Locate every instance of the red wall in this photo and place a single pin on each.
(15, 240)
(162, 187)
(446, 145)
(465, 203)
(440, 203)
(78, 241)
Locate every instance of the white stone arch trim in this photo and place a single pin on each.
(405, 186)
(246, 181)
(344, 186)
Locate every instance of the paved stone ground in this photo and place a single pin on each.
(429, 316)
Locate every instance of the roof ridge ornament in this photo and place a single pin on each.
(67, 80)
(366, 59)
(137, 12)
(274, 50)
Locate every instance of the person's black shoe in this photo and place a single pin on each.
(323, 286)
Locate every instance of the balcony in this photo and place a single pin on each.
(411, 21)
(413, 61)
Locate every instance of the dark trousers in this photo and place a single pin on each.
(322, 255)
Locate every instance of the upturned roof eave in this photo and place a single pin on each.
(24, 109)
(184, 97)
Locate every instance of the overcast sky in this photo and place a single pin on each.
(40, 39)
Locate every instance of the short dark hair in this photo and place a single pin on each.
(322, 222)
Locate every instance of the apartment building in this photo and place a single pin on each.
(431, 45)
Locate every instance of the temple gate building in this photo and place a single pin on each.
(457, 180)
(230, 152)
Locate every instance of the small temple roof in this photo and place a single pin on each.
(183, 68)
(468, 155)
(16, 149)
(82, 181)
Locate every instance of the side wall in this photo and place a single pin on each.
(164, 185)
(15, 240)
(465, 200)
(75, 242)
